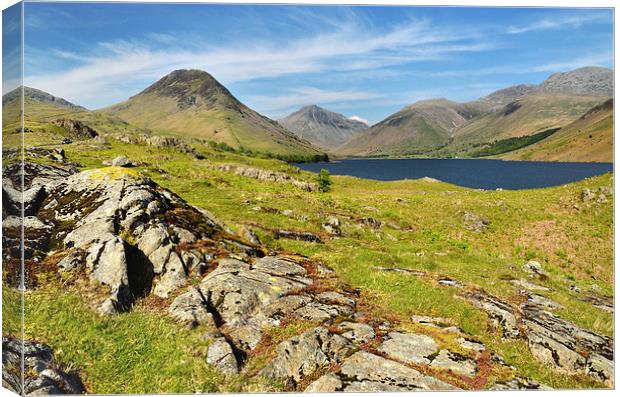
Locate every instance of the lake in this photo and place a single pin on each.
(479, 174)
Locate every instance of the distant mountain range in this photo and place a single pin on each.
(443, 128)
(322, 127)
(193, 104)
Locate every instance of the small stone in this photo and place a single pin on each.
(450, 283)
(288, 213)
(534, 268)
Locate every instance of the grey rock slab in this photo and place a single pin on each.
(301, 355)
(174, 276)
(502, 314)
(409, 348)
(356, 332)
(364, 366)
(242, 293)
(337, 298)
(471, 344)
(453, 362)
(111, 267)
(191, 308)
(221, 355)
(542, 301)
(528, 285)
(276, 266)
(325, 384)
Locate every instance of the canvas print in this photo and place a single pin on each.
(210, 198)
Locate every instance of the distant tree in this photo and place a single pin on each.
(324, 180)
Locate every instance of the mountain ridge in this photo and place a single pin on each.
(192, 103)
(321, 126)
(440, 127)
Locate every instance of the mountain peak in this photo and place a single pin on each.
(589, 80)
(322, 127)
(193, 87)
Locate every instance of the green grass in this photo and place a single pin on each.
(510, 144)
(134, 353)
(423, 230)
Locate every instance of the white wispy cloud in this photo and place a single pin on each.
(99, 77)
(572, 21)
(599, 59)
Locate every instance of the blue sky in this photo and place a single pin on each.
(361, 61)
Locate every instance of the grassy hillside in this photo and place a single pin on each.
(525, 116)
(416, 129)
(193, 104)
(424, 228)
(512, 144)
(589, 138)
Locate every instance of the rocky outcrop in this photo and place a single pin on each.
(76, 127)
(475, 222)
(557, 343)
(162, 142)
(42, 374)
(130, 236)
(295, 235)
(366, 372)
(266, 175)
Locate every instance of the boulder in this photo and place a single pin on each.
(534, 268)
(121, 161)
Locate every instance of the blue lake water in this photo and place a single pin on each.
(480, 174)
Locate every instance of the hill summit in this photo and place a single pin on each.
(322, 127)
(192, 87)
(192, 103)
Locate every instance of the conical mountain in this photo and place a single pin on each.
(322, 127)
(192, 103)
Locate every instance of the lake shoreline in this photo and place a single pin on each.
(489, 175)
